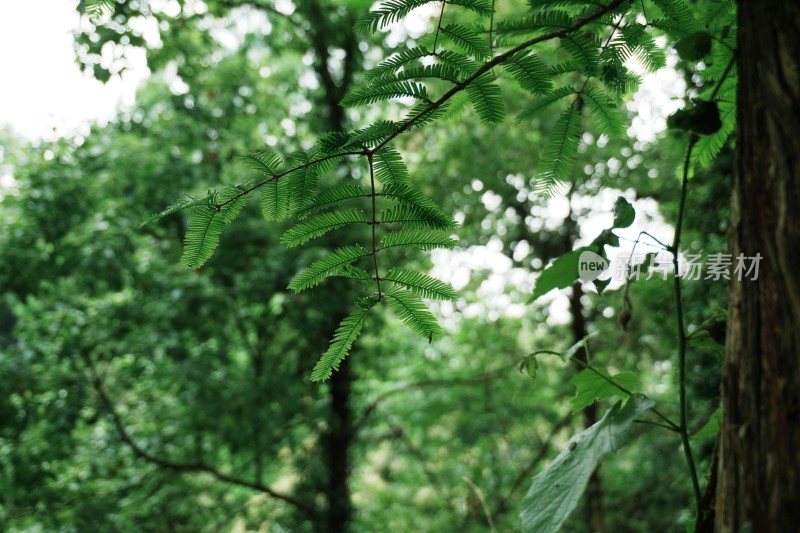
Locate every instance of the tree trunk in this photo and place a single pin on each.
(759, 464)
(593, 492)
(338, 439)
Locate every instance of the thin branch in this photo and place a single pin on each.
(615, 383)
(526, 472)
(684, 431)
(658, 424)
(491, 28)
(373, 406)
(279, 175)
(478, 492)
(438, 27)
(184, 466)
(495, 61)
(374, 224)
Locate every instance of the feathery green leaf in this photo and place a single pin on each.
(329, 265)
(389, 12)
(584, 49)
(395, 62)
(372, 135)
(468, 40)
(389, 166)
(333, 197)
(558, 158)
(530, 72)
(605, 112)
(421, 284)
(387, 91)
(209, 200)
(343, 339)
(301, 184)
(274, 201)
(206, 225)
(546, 101)
(486, 98)
(413, 312)
(414, 217)
(407, 195)
(418, 239)
(320, 225)
(481, 7)
(265, 162)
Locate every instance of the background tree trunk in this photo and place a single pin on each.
(594, 489)
(759, 465)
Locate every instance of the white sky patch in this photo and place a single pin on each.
(43, 94)
(660, 94)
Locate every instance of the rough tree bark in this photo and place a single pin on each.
(758, 486)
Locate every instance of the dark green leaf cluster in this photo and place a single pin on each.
(590, 72)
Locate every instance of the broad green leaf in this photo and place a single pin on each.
(624, 213)
(555, 492)
(592, 387)
(572, 350)
(560, 275)
(529, 365)
(710, 428)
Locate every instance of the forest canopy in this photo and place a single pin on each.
(433, 265)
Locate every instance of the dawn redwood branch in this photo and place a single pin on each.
(178, 466)
(432, 106)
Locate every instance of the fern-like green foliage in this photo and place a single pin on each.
(329, 265)
(421, 284)
(678, 17)
(206, 225)
(386, 91)
(584, 50)
(558, 159)
(389, 12)
(485, 96)
(411, 197)
(481, 7)
(468, 40)
(606, 114)
(413, 312)
(414, 217)
(396, 62)
(333, 197)
(389, 166)
(546, 101)
(418, 239)
(210, 200)
(530, 72)
(597, 39)
(343, 340)
(320, 225)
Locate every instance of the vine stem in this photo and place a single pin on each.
(668, 424)
(374, 223)
(681, 328)
(684, 430)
